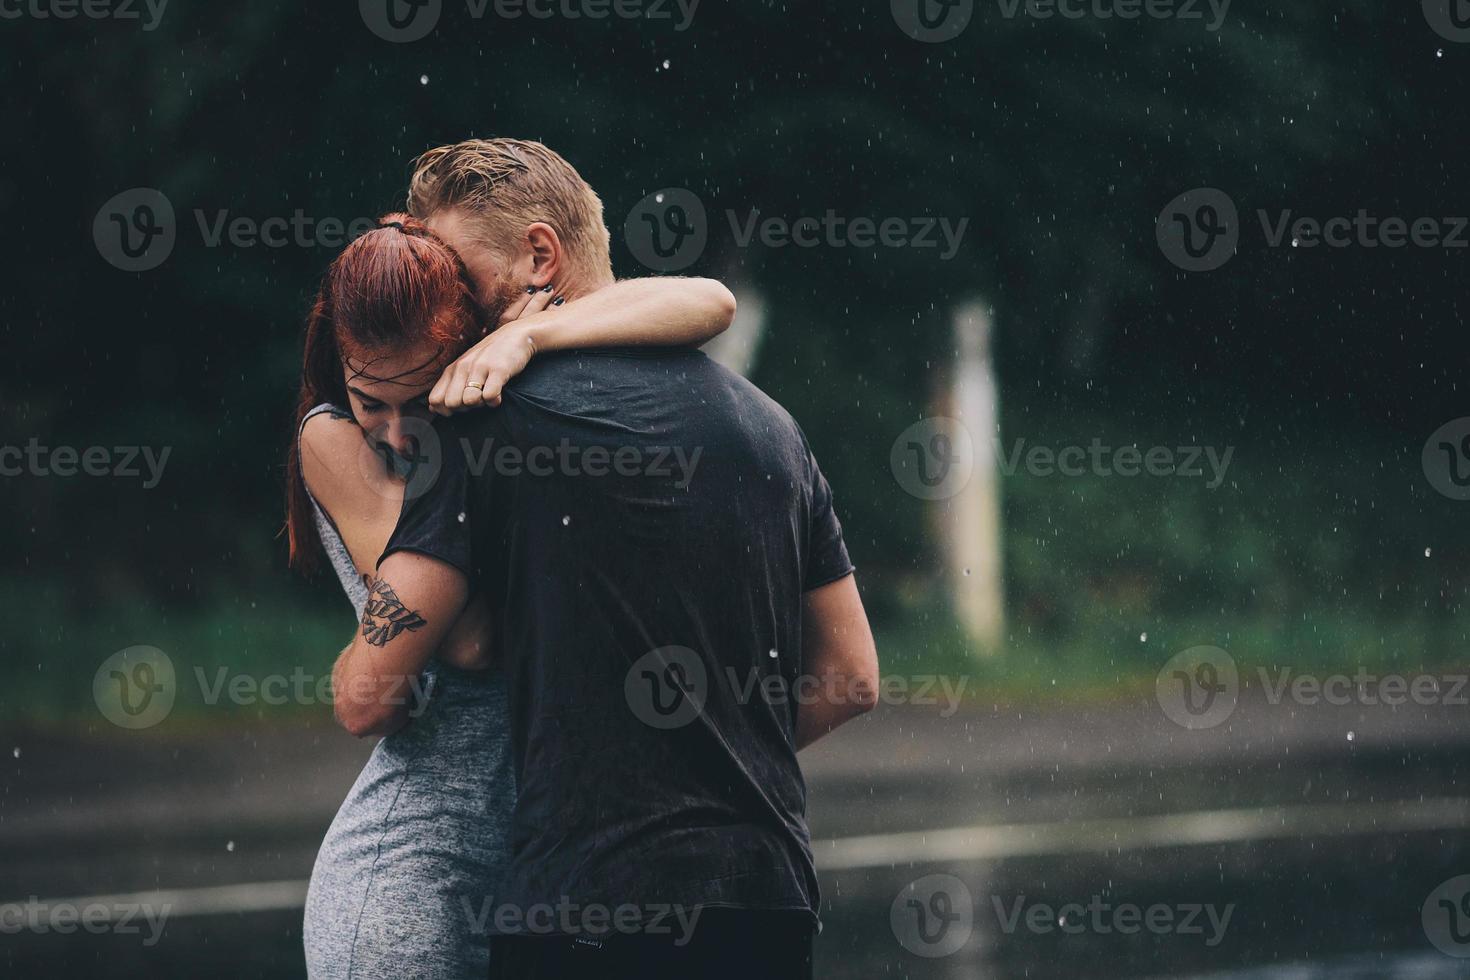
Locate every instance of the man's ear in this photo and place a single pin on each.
(547, 256)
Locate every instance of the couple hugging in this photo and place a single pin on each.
(577, 777)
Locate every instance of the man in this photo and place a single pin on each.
(673, 601)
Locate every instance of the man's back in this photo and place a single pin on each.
(644, 524)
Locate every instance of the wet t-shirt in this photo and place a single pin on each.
(644, 523)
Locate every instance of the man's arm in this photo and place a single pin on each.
(839, 654)
(411, 606)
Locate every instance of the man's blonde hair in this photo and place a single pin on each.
(503, 185)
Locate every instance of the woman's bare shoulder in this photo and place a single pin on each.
(333, 463)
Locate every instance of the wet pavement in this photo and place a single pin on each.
(1000, 842)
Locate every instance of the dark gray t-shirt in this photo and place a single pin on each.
(644, 523)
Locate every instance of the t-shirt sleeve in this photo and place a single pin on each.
(436, 519)
(826, 558)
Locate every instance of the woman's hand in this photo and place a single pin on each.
(476, 378)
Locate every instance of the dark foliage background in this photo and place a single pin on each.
(1059, 140)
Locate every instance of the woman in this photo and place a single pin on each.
(404, 879)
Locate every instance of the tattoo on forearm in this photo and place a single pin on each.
(385, 616)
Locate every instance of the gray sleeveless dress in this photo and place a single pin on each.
(405, 878)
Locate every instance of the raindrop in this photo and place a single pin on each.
(1351, 736)
(460, 518)
(1439, 53)
(566, 521)
(16, 751)
(666, 63)
(773, 657)
(1426, 552)
(423, 79)
(1296, 243)
(1143, 637)
(230, 846)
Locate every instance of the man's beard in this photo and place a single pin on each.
(504, 294)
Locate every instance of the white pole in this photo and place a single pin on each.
(738, 347)
(970, 520)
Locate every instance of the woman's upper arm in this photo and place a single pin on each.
(665, 311)
(720, 303)
(325, 454)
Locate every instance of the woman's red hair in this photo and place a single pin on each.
(394, 287)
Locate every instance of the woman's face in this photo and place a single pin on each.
(388, 392)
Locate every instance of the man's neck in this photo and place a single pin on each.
(578, 286)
